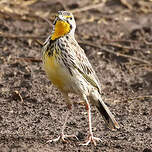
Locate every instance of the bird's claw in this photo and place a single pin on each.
(92, 139)
(63, 138)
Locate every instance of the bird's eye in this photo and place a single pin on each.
(70, 18)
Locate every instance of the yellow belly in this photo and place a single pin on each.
(56, 73)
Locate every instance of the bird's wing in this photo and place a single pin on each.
(82, 64)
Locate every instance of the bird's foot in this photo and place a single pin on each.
(63, 138)
(91, 139)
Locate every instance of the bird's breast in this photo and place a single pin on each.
(55, 71)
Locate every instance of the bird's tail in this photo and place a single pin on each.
(107, 115)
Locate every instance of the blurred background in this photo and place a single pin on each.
(117, 38)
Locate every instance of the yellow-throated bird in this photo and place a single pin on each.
(68, 68)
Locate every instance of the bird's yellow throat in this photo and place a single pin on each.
(61, 28)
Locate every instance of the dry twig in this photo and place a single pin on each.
(140, 97)
(29, 59)
(39, 42)
(87, 8)
(13, 36)
(116, 53)
(19, 95)
(119, 46)
(126, 4)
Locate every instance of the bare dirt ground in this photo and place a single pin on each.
(117, 38)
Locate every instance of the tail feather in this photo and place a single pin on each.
(107, 115)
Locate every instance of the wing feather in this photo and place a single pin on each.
(82, 64)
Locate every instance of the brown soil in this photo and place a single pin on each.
(32, 110)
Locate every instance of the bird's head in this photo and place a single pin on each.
(63, 24)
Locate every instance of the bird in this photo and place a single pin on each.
(68, 68)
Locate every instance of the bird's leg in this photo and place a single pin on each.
(66, 118)
(91, 138)
(62, 136)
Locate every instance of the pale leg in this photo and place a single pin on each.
(63, 137)
(91, 138)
